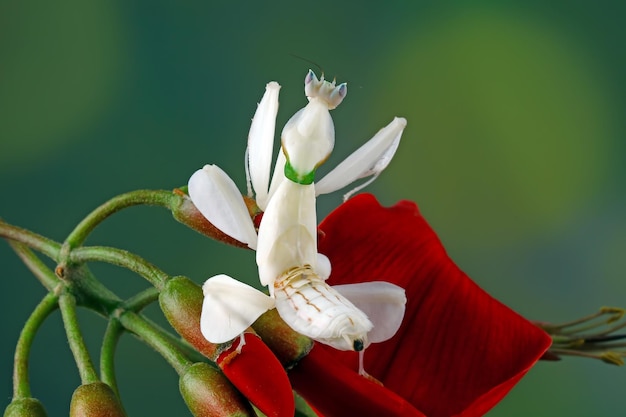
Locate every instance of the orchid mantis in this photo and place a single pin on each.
(347, 317)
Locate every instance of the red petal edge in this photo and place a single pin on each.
(335, 390)
(260, 377)
(458, 351)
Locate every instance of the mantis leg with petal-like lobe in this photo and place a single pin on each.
(230, 307)
(370, 159)
(261, 143)
(288, 232)
(216, 196)
(383, 303)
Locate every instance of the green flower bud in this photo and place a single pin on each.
(208, 393)
(95, 400)
(181, 302)
(288, 345)
(187, 214)
(25, 407)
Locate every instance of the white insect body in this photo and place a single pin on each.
(286, 245)
(315, 309)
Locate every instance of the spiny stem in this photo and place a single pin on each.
(21, 386)
(48, 247)
(67, 304)
(150, 335)
(36, 266)
(121, 258)
(140, 197)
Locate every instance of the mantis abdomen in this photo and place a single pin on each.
(313, 308)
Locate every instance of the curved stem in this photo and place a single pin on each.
(35, 265)
(115, 329)
(140, 197)
(185, 347)
(48, 247)
(121, 258)
(141, 300)
(21, 386)
(107, 353)
(153, 337)
(67, 304)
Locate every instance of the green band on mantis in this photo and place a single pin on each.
(294, 176)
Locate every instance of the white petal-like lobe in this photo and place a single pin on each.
(277, 177)
(261, 142)
(216, 196)
(323, 267)
(370, 159)
(288, 232)
(384, 304)
(229, 308)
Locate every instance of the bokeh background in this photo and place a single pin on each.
(514, 151)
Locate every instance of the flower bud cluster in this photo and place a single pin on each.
(247, 362)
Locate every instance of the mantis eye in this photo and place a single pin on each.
(357, 345)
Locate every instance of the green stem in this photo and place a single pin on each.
(67, 304)
(107, 353)
(21, 386)
(162, 198)
(48, 247)
(121, 258)
(140, 300)
(35, 265)
(114, 330)
(185, 347)
(153, 337)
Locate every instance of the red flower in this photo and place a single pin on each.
(458, 351)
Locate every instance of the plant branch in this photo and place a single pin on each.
(44, 274)
(67, 304)
(140, 197)
(107, 353)
(114, 330)
(153, 337)
(140, 300)
(121, 258)
(48, 247)
(21, 386)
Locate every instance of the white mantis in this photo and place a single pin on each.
(347, 317)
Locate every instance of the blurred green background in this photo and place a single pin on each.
(514, 151)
